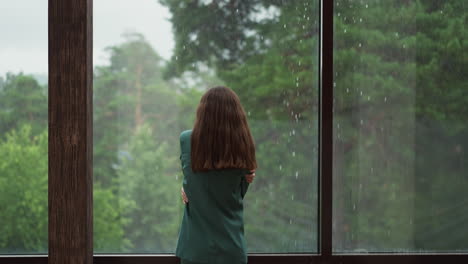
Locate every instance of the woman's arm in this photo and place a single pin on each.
(245, 181)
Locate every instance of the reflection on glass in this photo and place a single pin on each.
(23, 127)
(400, 126)
(146, 91)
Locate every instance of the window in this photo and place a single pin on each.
(23, 127)
(386, 130)
(400, 127)
(148, 81)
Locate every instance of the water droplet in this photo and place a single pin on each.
(293, 153)
(292, 197)
(334, 84)
(297, 174)
(360, 20)
(293, 132)
(345, 30)
(362, 121)
(368, 98)
(361, 93)
(385, 99)
(284, 25)
(176, 57)
(237, 10)
(354, 206)
(347, 90)
(280, 167)
(360, 44)
(248, 113)
(367, 6)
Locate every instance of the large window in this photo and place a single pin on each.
(151, 67)
(23, 127)
(400, 126)
(358, 109)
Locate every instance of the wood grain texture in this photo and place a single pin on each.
(70, 132)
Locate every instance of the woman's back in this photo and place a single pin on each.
(212, 229)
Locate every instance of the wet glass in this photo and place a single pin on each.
(400, 126)
(160, 58)
(23, 127)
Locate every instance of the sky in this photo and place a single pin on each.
(23, 31)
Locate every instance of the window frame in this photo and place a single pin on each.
(70, 153)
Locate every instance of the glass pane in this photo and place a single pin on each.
(160, 59)
(400, 126)
(23, 127)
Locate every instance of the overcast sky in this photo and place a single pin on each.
(23, 31)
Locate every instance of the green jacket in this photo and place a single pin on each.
(212, 229)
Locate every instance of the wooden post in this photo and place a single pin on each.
(70, 132)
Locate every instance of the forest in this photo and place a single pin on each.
(400, 128)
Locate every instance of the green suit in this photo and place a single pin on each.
(212, 229)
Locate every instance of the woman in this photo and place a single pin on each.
(218, 162)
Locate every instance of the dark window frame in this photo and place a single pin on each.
(70, 154)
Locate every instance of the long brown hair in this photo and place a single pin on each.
(221, 136)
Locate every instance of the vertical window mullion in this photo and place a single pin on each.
(70, 132)
(326, 126)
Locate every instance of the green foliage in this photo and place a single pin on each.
(23, 200)
(22, 101)
(147, 178)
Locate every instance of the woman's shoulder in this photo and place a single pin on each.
(185, 134)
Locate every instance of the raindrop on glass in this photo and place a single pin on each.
(294, 154)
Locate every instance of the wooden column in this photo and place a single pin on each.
(70, 132)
